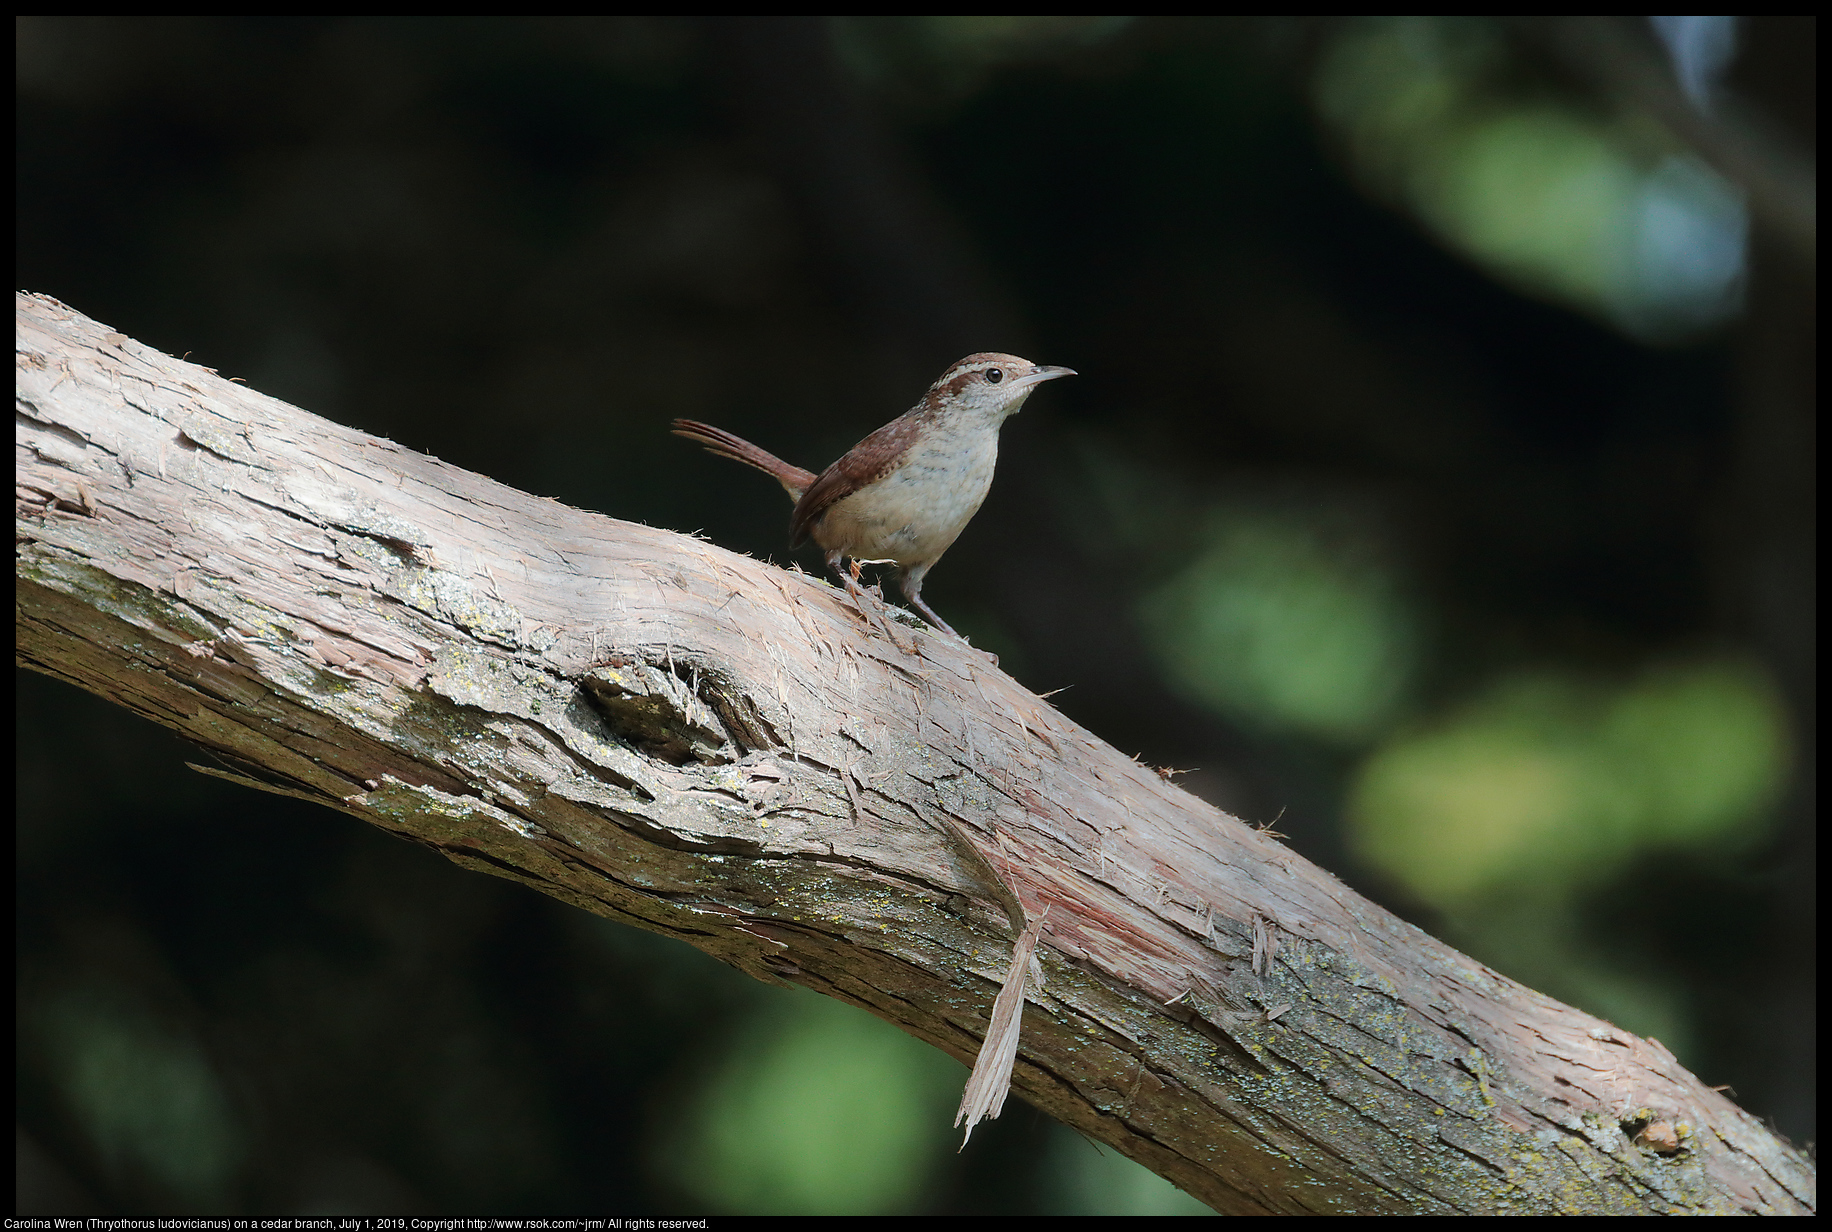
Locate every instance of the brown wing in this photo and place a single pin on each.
(870, 459)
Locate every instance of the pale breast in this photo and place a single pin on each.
(916, 511)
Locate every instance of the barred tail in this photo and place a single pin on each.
(794, 479)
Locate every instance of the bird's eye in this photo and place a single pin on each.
(994, 375)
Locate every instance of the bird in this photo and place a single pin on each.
(903, 494)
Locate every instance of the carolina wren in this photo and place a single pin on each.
(904, 493)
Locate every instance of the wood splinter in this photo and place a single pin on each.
(990, 1081)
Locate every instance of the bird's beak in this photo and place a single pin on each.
(1043, 372)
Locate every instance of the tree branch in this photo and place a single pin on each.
(669, 735)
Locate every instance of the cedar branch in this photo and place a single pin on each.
(692, 742)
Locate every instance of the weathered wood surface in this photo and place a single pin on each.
(665, 733)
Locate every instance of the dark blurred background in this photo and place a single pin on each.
(1438, 485)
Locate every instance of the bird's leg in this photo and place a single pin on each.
(861, 597)
(914, 595)
(912, 590)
